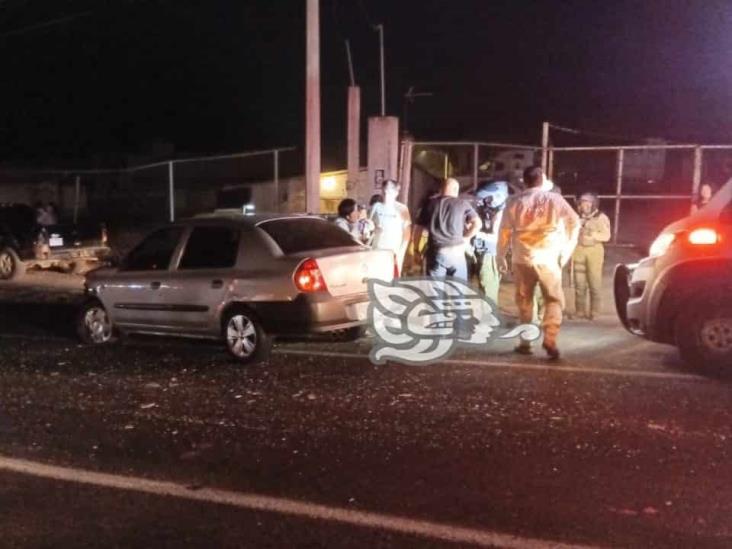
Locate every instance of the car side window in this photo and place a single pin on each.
(155, 252)
(211, 248)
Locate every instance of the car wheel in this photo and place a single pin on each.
(350, 334)
(245, 338)
(94, 325)
(704, 335)
(11, 267)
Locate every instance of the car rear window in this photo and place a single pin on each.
(305, 234)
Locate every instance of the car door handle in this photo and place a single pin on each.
(216, 284)
(155, 285)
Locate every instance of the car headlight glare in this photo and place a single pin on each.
(661, 245)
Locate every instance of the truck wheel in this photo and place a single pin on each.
(245, 338)
(704, 335)
(11, 267)
(93, 324)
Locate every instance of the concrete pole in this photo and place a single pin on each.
(312, 109)
(354, 134)
(696, 178)
(171, 191)
(618, 193)
(544, 145)
(380, 29)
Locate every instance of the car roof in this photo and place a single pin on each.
(250, 221)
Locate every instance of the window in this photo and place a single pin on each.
(211, 248)
(304, 234)
(154, 253)
(500, 166)
(518, 156)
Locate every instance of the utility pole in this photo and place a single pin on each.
(312, 108)
(380, 29)
(544, 145)
(353, 129)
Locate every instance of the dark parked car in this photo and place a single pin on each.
(25, 243)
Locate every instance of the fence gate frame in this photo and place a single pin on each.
(618, 197)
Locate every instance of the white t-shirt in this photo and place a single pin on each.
(390, 221)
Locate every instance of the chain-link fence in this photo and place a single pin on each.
(642, 188)
(428, 162)
(131, 200)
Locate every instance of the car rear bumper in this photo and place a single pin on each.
(312, 313)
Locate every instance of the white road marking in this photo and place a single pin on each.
(257, 502)
(514, 365)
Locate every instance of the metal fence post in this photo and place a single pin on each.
(475, 165)
(696, 178)
(550, 164)
(276, 155)
(171, 191)
(77, 197)
(618, 193)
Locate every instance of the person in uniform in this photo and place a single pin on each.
(589, 256)
(541, 229)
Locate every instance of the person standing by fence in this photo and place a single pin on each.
(450, 222)
(392, 223)
(541, 229)
(589, 256)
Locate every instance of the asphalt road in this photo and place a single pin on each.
(168, 443)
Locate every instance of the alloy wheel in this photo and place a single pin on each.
(716, 335)
(7, 265)
(97, 324)
(241, 336)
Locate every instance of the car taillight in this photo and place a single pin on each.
(396, 267)
(308, 277)
(703, 236)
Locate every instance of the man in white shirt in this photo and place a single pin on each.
(392, 223)
(541, 229)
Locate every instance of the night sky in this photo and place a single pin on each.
(223, 75)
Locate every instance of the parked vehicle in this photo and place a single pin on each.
(24, 243)
(240, 278)
(682, 293)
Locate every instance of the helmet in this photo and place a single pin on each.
(590, 197)
(496, 190)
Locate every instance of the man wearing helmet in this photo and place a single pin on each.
(589, 255)
(491, 199)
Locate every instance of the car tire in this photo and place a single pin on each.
(244, 337)
(350, 334)
(11, 267)
(704, 335)
(93, 325)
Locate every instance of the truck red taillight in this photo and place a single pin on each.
(308, 277)
(396, 267)
(703, 236)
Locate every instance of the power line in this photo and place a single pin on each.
(45, 24)
(576, 131)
